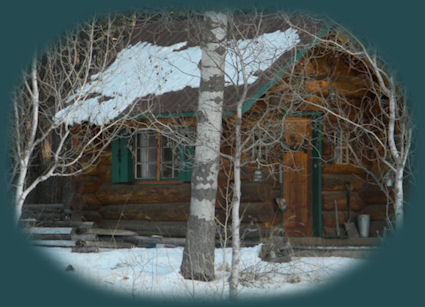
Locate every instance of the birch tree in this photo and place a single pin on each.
(198, 255)
(250, 56)
(42, 145)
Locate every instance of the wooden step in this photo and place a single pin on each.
(53, 243)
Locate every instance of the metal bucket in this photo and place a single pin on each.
(363, 223)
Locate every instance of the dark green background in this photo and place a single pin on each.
(393, 277)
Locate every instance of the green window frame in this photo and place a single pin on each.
(153, 157)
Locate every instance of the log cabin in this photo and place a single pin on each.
(142, 181)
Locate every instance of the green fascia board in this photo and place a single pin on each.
(122, 164)
(251, 101)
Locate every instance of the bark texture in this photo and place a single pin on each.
(198, 259)
(198, 255)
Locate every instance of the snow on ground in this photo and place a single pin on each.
(145, 69)
(154, 272)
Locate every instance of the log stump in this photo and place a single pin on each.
(277, 247)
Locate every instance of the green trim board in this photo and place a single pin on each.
(122, 161)
(186, 154)
(317, 169)
(299, 55)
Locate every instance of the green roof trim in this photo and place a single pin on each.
(251, 101)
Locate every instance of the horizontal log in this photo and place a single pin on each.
(50, 236)
(86, 216)
(104, 244)
(148, 212)
(84, 237)
(335, 182)
(144, 241)
(87, 184)
(372, 195)
(78, 249)
(82, 225)
(329, 219)
(328, 198)
(165, 229)
(43, 216)
(376, 212)
(110, 194)
(334, 168)
(348, 88)
(265, 212)
(42, 207)
(110, 232)
(48, 230)
(53, 243)
(47, 223)
(89, 201)
(106, 175)
(178, 229)
(250, 211)
(331, 231)
(256, 192)
(94, 170)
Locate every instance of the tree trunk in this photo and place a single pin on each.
(398, 198)
(234, 279)
(198, 255)
(21, 191)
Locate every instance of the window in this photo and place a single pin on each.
(341, 154)
(156, 156)
(261, 148)
(150, 156)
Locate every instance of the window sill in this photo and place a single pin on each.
(157, 181)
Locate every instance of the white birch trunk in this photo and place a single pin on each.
(20, 192)
(398, 155)
(198, 256)
(234, 279)
(398, 198)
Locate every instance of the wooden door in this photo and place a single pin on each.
(297, 182)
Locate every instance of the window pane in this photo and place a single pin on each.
(166, 170)
(153, 140)
(148, 171)
(164, 142)
(142, 140)
(138, 171)
(152, 154)
(167, 154)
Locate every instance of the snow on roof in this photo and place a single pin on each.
(147, 69)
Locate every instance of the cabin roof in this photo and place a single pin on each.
(159, 73)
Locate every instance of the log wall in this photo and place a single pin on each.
(97, 198)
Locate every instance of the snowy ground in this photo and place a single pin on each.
(145, 272)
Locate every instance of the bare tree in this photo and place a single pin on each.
(378, 125)
(378, 130)
(43, 130)
(251, 56)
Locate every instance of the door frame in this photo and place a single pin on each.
(316, 161)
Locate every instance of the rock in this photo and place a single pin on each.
(277, 247)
